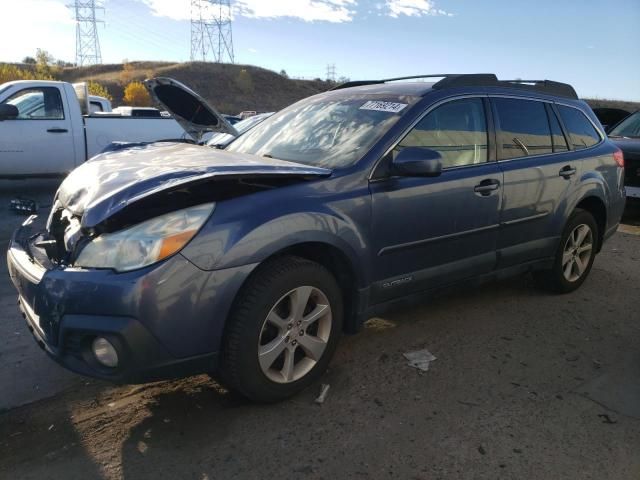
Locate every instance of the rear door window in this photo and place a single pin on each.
(581, 131)
(522, 128)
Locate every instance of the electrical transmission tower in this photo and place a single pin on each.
(87, 43)
(211, 37)
(331, 72)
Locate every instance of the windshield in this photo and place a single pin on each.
(629, 127)
(326, 131)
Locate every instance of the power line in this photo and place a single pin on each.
(143, 36)
(87, 42)
(211, 36)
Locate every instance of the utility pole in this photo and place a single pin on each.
(331, 72)
(211, 37)
(87, 42)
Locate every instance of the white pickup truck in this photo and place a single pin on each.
(46, 129)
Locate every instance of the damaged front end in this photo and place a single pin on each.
(119, 200)
(105, 264)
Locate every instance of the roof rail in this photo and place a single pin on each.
(544, 86)
(358, 83)
(478, 80)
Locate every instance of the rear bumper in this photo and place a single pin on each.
(165, 321)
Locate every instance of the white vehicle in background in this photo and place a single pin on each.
(99, 104)
(30, 104)
(247, 114)
(47, 128)
(147, 112)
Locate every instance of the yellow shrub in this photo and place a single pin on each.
(9, 73)
(97, 89)
(136, 95)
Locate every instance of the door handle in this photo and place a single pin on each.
(485, 187)
(567, 171)
(57, 130)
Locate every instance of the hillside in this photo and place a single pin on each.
(229, 88)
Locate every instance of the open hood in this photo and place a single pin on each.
(112, 181)
(189, 109)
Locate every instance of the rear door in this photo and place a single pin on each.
(428, 232)
(40, 140)
(539, 176)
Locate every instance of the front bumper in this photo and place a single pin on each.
(166, 320)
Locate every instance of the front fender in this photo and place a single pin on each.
(233, 240)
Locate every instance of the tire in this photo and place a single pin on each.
(271, 349)
(573, 261)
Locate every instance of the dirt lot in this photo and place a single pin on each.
(526, 385)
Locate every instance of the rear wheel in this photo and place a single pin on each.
(283, 329)
(574, 257)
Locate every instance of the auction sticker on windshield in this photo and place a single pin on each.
(379, 106)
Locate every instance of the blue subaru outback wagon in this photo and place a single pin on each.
(172, 258)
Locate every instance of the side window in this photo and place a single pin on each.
(559, 142)
(95, 107)
(581, 131)
(522, 128)
(38, 103)
(457, 129)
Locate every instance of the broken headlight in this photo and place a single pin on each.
(145, 243)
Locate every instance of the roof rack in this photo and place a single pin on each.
(358, 83)
(544, 86)
(478, 80)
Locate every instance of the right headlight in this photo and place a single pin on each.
(145, 243)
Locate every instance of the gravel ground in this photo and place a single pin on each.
(526, 385)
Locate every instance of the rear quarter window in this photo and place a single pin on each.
(582, 133)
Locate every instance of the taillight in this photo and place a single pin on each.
(618, 156)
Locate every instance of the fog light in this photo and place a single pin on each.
(105, 352)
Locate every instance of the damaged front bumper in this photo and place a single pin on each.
(165, 320)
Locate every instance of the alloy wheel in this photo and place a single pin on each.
(294, 335)
(577, 252)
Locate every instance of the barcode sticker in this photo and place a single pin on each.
(378, 106)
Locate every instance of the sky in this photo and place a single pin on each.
(592, 44)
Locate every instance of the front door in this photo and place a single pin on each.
(429, 232)
(40, 140)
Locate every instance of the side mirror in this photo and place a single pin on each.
(417, 162)
(8, 111)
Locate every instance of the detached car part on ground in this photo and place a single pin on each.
(173, 259)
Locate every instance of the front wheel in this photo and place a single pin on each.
(283, 329)
(575, 255)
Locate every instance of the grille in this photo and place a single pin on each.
(74, 343)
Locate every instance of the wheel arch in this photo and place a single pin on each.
(596, 207)
(339, 264)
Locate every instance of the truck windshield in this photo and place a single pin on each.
(629, 127)
(327, 131)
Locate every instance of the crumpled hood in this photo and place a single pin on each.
(111, 181)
